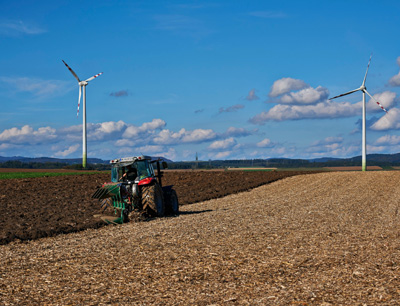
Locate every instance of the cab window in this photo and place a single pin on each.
(143, 169)
(114, 174)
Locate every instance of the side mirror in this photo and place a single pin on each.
(165, 165)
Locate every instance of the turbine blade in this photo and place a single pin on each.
(345, 94)
(380, 105)
(79, 100)
(93, 77)
(73, 73)
(365, 77)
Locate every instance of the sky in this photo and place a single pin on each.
(220, 79)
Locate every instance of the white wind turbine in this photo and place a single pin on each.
(364, 91)
(82, 87)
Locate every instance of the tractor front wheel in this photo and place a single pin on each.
(153, 200)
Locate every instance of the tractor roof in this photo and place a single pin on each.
(129, 160)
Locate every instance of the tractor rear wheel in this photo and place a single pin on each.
(153, 200)
(172, 203)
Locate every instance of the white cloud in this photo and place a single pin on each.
(101, 131)
(388, 140)
(265, 143)
(6, 146)
(281, 152)
(27, 135)
(327, 110)
(238, 132)
(223, 144)
(38, 87)
(390, 121)
(71, 133)
(312, 103)
(395, 80)
(286, 85)
(170, 154)
(305, 96)
(147, 127)
(386, 98)
(68, 151)
(95, 131)
(168, 137)
(16, 27)
(252, 95)
(152, 150)
(322, 110)
(329, 140)
(328, 147)
(221, 155)
(126, 134)
(375, 149)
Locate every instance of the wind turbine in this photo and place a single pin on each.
(82, 87)
(364, 91)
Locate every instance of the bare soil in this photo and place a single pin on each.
(40, 207)
(321, 239)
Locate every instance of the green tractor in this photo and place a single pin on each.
(135, 186)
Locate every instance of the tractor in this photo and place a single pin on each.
(135, 186)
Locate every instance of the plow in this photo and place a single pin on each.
(136, 187)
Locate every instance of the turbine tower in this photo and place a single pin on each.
(364, 91)
(82, 88)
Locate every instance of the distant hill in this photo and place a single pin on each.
(323, 159)
(389, 158)
(383, 160)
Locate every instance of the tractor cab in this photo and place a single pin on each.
(132, 171)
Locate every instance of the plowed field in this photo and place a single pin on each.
(321, 239)
(47, 206)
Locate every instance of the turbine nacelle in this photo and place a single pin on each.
(81, 83)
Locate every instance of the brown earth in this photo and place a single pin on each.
(321, 239)
(40, 207)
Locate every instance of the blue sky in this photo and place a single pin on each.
(225, 79)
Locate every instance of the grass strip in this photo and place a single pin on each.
(20, 175)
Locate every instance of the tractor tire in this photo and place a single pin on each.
(153, 200)
(172, 203)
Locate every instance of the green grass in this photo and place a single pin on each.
(19, 175)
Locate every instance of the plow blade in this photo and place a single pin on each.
(110, 219)
(107, 191)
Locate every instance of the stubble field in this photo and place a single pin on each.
(320, 239)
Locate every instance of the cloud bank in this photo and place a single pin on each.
(113, 137)
(296, 100)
